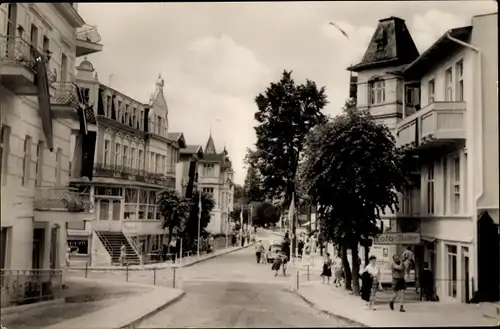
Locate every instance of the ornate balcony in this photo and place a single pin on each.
(64, 100)
(61, 204)
(87, 41)
(20, 287)
(17, 61)
(438, 124)
(128, 173)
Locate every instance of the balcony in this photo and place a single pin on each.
(17, 63)
(209, 180)
(21, 287)
(87, 41)
(62, 204)
(437, 125)
(128, 173)
(142, 227)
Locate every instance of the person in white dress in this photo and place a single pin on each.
(374, 271)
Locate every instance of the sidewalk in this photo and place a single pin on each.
(339, 302)
(126, 312)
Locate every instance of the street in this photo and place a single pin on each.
(233, 291)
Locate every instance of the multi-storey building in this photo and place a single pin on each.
(38, 46)
(442, 107)
(187, 170)
(135, 158)
(216, 178)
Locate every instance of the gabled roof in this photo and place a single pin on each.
(177, 137)
(193, 149)
(441, 49)
(391, 45)
(210, 148)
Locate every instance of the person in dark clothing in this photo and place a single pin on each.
(427, 283)
(366, 286)
(285, 246)
(164, 252)
(300, 246)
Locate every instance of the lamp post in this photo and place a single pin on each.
(199, 224)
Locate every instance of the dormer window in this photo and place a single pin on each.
(377, 91)
(381, 40)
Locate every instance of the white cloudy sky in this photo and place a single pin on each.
(216, 57)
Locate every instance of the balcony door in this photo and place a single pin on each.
(54, 234)
(38, 248)
(11, 28)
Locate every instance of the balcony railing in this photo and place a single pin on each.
(61, 199)
(16, 50)
(65, 94)
(19, 287)
(88, 33)
(124, 172)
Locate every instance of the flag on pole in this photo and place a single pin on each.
(291, 211)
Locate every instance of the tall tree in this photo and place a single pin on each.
(190, 231)
(252, 188)
(286, 112)
(266, 213)
(354, 170)
(239, 192)
(174, 210)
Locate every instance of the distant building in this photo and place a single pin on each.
(442, 106)
(215, 176)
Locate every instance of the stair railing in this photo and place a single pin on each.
(106, 243)
(133, 245)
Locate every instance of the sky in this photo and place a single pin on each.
(215, 58)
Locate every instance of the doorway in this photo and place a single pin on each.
(54, 232)
(465, 275)
(488, 267)
(38, 248)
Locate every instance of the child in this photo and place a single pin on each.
(278, 262)
(327, 269)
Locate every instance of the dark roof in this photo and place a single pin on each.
(192, 149)
(210, 147)
(213, 157)
(177, 137)
(441, 49)
(391, 45)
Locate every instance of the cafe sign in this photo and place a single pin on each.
(397, 238)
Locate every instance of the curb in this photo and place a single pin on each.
(328, 313)
(134, 323)
(214, 256)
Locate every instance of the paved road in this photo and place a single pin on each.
(233, 291)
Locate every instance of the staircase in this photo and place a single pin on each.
(113, 241)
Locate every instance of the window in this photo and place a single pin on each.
(208, 190)
(103, 210)
(119, 111)
(158, 125)
(108, 106)
(64, 67)
(26, 160)
(152, 163)
(133, 159)
(80, 247)
(166, 168)
(4, 152)
(107, 158)
(34, 36)
(134, 117)
(46, 44)
(459, 73)
(208, 170)
(448, 80)
(127, 115)
(452, 270)
(39, 163)
(141, 160)
(117, 154)
(141, 120)
(58, 169)
(430, 189)
(432, 89)
(445, 185)
(456, 185)
(158, 164)
(125, 156)
(377, 92)
(3, 246)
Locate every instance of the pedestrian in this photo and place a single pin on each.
(398, 282)
(279, 262)
(259, 249)
(68, 253)
(337, 271)
(327, 269)
(211, 243)
(123, 254)
(408, 259)
(373, 284)
(285, 247)
(301, 247)
(427, 284)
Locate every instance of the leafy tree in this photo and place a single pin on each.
(286, 112)
(252, 188)
(353, 169)
(239, 192)
(190, 232)
(174, 209)
(266, 213)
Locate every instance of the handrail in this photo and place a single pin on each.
(105, 242)
(133, 245)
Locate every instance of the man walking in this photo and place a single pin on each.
(398, 282)
(259, 249)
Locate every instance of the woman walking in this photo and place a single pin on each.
(327, 269)
(371, 282)
(337, 271)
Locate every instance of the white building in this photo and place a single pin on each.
(216, 177)
(38, 46)
(442, 106)
(135, 158)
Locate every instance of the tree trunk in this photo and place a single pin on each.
(309, 215)
(355, 268)
(367, 254)
(347, 269)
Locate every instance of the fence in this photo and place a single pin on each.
(19, 287)
(165, 276)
